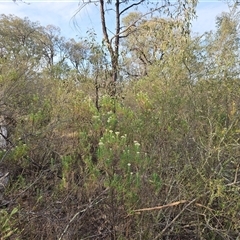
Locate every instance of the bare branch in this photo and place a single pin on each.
(134, 4)
(174, 220)
(124, 36)
(144, 15)
(90, 205)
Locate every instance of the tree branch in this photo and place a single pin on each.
(134, 4)
(127, 28)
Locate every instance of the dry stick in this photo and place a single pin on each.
(72, 219)
(165, 206)
(91, 204)
(2, 180)
(236, 173)
(200, 205)
(5, 154)
(160, 207)
(66, 228)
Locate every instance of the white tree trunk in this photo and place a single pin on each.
(3, 133)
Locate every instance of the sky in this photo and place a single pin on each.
(63, 13)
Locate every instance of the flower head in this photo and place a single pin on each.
(136, 143)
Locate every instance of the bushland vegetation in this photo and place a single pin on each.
(159, 160)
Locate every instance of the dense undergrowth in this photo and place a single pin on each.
(82, 174)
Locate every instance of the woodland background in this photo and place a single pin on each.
(140, 143)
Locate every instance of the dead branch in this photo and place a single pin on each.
(134, 4)
(90, 205)
(134, 23)
(159, 236)
(160, 207)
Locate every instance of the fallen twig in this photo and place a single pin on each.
(160, 207)
(91, 204)
(168, 225)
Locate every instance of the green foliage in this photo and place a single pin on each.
(121, 163)
(66, 167)
(7, 222)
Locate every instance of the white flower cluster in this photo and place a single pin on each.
(124, 136)
(96, 117)
(136, 143)
(110, 118)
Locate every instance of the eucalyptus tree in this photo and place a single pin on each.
(221, 57)
(78, 54)
(19, 63)
(52, 45)
(227, 43)
(27, 50)
(118, 9)
(18, 45)
(28, 46)
(150, 41)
